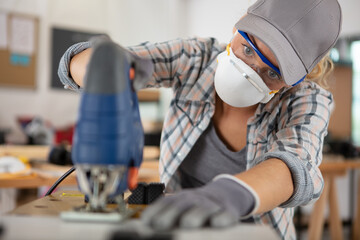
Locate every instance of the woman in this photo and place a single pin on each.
(244, 131)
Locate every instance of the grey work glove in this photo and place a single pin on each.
(220, 203)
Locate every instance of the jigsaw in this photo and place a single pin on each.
(108, 139)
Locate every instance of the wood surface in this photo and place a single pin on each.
(51, 205)
(42, 152)
(333, 166)
(58, 202)
(148, 173)
(46, 174)
(148, 95)
(341, 88)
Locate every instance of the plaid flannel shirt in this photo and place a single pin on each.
(291, 127)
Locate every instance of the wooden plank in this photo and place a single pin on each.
(28, 151)
(148, 173)
(148, 95)
(329, 167)
(58, 202)
(42, 152)
(35, 180)
(51, 205)
(337, 164)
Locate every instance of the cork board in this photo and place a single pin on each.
(18, 54)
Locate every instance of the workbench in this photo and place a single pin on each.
(40, 220)
(45, 174)
(333, 166)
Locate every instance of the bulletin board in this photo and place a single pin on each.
(18, 50)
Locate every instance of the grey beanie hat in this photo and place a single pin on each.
(298, 32)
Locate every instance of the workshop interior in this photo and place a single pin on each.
(52, 183)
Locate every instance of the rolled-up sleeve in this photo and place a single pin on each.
(178, 61)
(299, 141)
(64, 65)
(175, 61)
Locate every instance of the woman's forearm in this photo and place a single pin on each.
(272, 181)
(78, 66)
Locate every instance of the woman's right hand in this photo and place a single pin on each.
(78, 66)
(79, 63)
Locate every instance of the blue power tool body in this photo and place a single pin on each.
(109, 137)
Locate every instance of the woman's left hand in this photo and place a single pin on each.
(220, 203)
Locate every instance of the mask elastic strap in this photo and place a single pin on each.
(228, 49)
(229, 45)
(273, 92)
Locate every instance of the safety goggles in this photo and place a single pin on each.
(262, 57)
(244, 51)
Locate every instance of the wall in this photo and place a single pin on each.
(110, 16)
(58, 107)
(204, 20)
(351, 17)
(127, 22)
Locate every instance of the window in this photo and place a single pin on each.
(355, 118)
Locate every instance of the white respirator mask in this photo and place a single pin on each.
(237, 84)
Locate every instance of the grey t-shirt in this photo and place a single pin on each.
(208, 158)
